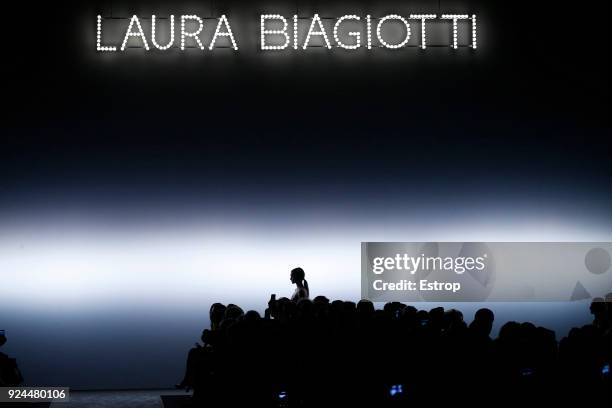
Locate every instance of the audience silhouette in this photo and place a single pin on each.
(10, 376)
(318, 353)
(311, 353)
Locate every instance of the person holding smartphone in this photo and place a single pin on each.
(297, 277)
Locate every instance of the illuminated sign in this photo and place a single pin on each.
(277, 32)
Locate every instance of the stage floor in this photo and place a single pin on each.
(119, 399)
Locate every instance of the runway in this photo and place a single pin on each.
(124, 399)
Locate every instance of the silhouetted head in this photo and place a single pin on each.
(528, 330)
(387, 307)
(436, 314)
(252, 316)
(336, 307)
(233, 312)
(483, 321)
(408, 317)
(206, 336)
(286, 309)
(453, 318)
(484, 315)
(509, 331)
(321, 300)
(365, 307)
(216, 313)
(297, 275)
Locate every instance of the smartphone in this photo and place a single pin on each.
(527, 372)
(282, 400)
(273, 297)
(396, 390)
(2, 332)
